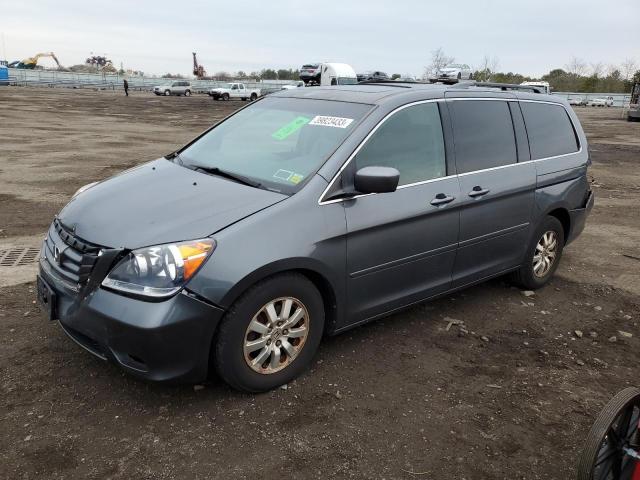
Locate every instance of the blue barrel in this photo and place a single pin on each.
(4, 75)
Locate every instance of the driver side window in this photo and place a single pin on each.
(410, 141)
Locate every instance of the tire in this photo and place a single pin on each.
(597, 436)
(225, 96)
(471, 76)
(167, 93)
(254, 97)
(187, 93)
(237, 367)
(459, 75)
(526, 276)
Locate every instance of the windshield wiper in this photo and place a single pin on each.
(175, 156)
(231, 176)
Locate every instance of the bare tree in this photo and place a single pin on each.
(438, 60)
(487, 69)
(596, 69)
(629, 67)
(577, 67)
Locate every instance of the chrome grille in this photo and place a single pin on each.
(70, 257)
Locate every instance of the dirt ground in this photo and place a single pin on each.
(400, 398)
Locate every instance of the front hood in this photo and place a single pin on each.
(449, 70)
(160, 202)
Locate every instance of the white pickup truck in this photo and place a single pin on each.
(227, 91)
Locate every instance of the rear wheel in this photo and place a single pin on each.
(543, 255)
(254, 96)
(187, 93)
(612, 437)
(270, 334)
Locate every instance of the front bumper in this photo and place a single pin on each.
(167, 341)
(579, 217)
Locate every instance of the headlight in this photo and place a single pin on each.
(83, 188)
(159, 271)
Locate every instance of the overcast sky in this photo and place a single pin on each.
(529, 37)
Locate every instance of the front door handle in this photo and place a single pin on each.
(478, 191)
(442, 199)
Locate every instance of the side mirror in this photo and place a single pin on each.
(376, 180)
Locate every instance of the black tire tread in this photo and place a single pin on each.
(520, 277)
(596, 434)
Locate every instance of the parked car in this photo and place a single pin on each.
(310, 72)
(174, 88)
(601, 102)
(307, 213)
(542, 87)
(227, 91)
(454, 71)
(299, 84)
(375, 75)
(577, 101)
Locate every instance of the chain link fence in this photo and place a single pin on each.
(107, 81)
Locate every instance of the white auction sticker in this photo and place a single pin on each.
(337, 122)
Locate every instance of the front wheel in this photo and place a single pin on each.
(167, 93)
(225, 96)
(543, 255)
(270, 334)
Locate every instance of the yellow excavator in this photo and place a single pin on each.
(30, 63)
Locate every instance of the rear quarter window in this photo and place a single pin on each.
(549, 129)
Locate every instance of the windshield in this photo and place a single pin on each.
(347, 81)
(277, 142)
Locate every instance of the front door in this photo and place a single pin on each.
(401, 246)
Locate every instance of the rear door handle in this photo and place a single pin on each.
(478, 191)
(442, 199)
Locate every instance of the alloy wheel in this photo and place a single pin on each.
(276, 335)
(545, 254)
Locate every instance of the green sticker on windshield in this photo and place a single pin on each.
(290, 128)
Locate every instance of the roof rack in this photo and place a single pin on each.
(501, 86)
(393, 83)
(459, 84)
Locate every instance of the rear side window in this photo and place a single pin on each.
(549, 129)
(410, 141)
(483, 134)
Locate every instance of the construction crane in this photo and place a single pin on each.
(198, 70)
(30, 63)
